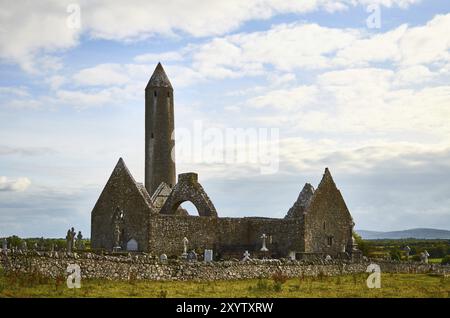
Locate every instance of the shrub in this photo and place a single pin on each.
(395, 254)
(278, 280)
(446, 260)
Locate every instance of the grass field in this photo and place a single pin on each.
(392, 285)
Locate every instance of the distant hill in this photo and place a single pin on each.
(420, 233)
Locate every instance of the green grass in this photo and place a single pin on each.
(392, 285)
(434, 260)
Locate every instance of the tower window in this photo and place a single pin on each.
(155, 94)
(168, 94)
(324, 225)
(329, 240)
(152, 136)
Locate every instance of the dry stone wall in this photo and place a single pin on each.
(143, 267)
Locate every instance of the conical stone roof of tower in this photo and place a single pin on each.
(159, 78)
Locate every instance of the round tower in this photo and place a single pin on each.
(159, 131)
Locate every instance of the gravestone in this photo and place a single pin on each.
(163, 258)
(246, 257)
(407, 250)
(192, 256)
(208, 256)
(132, 245)
(264, 248)
(424, 257)
(292, 256)
(70, 240)
(80, 243)
(4, 244)
(328, 258)
(185, 246)
(24, 246)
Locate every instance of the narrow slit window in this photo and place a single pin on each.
(330, 241)
(155, 94)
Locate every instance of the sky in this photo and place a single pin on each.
(361, 87)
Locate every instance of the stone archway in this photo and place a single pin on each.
(189, 189)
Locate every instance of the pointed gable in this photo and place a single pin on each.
(122, 182)
(121, 193)
(327, 196)
(302, 203)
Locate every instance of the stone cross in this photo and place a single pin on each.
(70, 240)
(424, 257)
(185, 245)
(407, 249)
(264, 248)
(80, 244)
(246, 256)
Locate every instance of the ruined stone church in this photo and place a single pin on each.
(129, 216)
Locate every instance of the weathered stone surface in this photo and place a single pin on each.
(144, 268)
(159, 130)
(302, 203)
(328, 224)
(121, 195)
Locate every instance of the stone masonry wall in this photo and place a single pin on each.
(224, 234)
(143, 267)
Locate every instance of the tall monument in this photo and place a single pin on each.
(159, 131)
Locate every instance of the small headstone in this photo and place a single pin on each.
(24, 246)
(328, 258)
(246, 257)
(208, 255)
(292, 256)
(192, 256)
(163, 258)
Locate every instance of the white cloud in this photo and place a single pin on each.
(102, 74)
(30, 30)
(290, 47)
(362, 100)
(413, 75)
(287, 99)
(14, 185)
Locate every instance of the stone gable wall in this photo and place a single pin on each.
(121, 192)
(327, 217)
